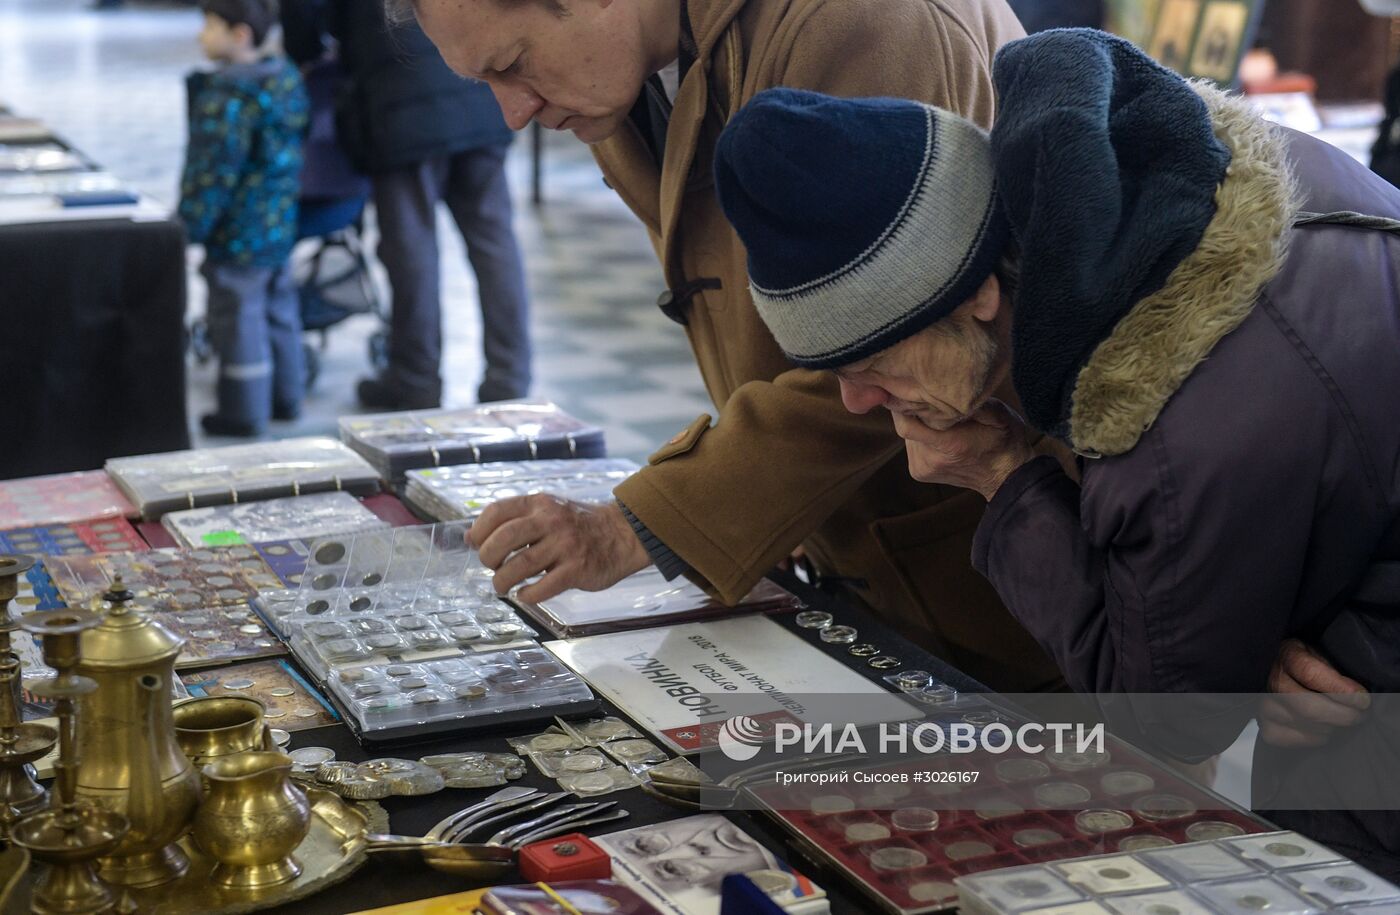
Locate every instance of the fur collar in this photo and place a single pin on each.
(1155, 347)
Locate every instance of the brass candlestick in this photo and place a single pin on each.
(69, 837)
(20, 744)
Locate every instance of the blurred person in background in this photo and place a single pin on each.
(424, 136)
(238, 198)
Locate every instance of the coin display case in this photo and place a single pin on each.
(904, 842)
(1279, 872)
(76, 538)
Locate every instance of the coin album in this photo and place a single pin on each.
(319, 515)
(167, 579)
(405, 633)
(648, 599)
(464, 491)
(903, 843)
(62, 498)
(74, 538)
(1279, 872)
(517, 431)
(160, 483)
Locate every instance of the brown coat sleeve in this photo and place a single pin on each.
(735, 499)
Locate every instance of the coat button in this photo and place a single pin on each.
(670, 307)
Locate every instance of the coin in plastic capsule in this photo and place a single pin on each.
(1158, 807)
(912, 679)
(866, 832)
(1127, 782)
(1061, 795)
(1095, 822)
(1207, 830)
(866, 650)
(884, 662)
(971, 848)
(938, 694)
(839, 635)
(1144, 843)
(832, 803)
(1029, 838)
(1021, 770)
(915, 819)
(813, 619)
(897, 859)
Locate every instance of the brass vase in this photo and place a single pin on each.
(121, 729)
(213, 727)
(252, 819)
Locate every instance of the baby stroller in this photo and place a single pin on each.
(333, 277)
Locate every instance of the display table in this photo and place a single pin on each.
(394, 878)
(92, 354)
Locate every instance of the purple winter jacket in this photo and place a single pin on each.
(1251, 506)
(1256, 499)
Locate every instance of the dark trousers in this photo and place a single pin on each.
(473, 185)
(254, 321)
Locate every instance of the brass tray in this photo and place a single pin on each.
(331, 852)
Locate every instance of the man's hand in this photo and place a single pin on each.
(576, 545)
(1313, 699)
(978, 453)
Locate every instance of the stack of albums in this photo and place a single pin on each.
(160, 483)
(462, 493)
(317, 516)
(522, 431)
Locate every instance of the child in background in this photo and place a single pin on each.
(238, 198)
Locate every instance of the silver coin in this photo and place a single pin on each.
(866, 650)
(544, 742)
(915, 819)
(250, 629)
(205, 633)
(1127, 782)
(262, 643)
(312, 756)
(587, 763)
(329, 553)
(1143, 843)
(897, 859)
(1285, 850)
(961, 851)
(1029, 838)
(938, 694)
(839, 635)
(884, 662)
(867, 832)
(218, 581)
(1070, 761)
(1021, 770)
(1096, 822)
(237, 615)
(1253, 902)
(813, 619)
(1345, 884)
(274, 713)
(280, 737)
(239, 683)
(304, 712)
(1207, 830)
(832, 803)
(1061, 795)
(1158, 807)
(932, 891)
(1028, 888)
(996, 808)
(772, 882)
(593, 781)
(981, 719)
(280, 691)
(219, 647)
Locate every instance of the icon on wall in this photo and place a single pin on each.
(1204, 38)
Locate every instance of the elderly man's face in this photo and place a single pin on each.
(941, 375)
(578, 71)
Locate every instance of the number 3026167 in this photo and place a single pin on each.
(942, 777)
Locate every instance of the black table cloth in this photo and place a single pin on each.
(92, 359)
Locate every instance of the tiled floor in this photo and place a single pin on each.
(111, 83)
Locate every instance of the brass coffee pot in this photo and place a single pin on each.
(118, 720)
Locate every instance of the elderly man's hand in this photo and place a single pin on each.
(1313, 699)
(575, 545)
(978, 453)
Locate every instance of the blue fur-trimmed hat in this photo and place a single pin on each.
(865, 220)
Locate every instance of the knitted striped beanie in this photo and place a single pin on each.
(865, 220)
